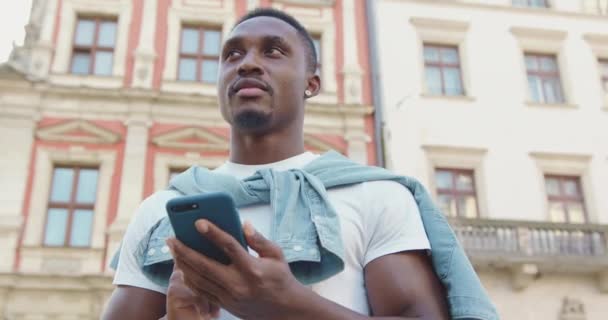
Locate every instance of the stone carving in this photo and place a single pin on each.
(572, 309)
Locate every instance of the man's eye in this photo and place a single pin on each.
(274, 51)
(232, 54)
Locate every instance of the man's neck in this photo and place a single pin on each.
(263, 149)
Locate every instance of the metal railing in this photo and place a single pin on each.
(531, 238)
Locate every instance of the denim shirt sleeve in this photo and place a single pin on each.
(466, 296)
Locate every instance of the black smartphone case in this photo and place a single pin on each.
(218, 208)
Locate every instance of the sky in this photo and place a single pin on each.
(13, 18)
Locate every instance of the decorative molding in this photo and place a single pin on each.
(598, 43)
(163, 163)
(572, 309)
(208, 141)
(523, 275)
(440, 30)
(308, 3)
(539, 40)
(319, 145)
(87, 133)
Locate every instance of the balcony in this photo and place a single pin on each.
(599, 7)
(535, 247)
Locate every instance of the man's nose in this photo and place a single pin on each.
(250, 64)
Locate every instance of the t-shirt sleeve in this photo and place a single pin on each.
(394, 221)
(128, 271)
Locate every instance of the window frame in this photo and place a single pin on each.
(94, 48)
(603, 66)
(528, 4)
(544, 76)
(565, 199)
(441, 66)
(454, 193)
(70, 206)
(199, 56)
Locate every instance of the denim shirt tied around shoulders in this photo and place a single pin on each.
(307, 229)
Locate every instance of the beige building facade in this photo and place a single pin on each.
(500, 107)
(105, 100)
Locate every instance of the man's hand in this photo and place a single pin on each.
(249, 287)
(183, 304)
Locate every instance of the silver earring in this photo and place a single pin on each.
(308, 93)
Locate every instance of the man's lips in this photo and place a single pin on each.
(249, 88)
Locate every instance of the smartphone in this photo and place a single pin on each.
(218, 208)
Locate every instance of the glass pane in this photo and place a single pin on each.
(80, 63)
(107, 34)
(447, 205)
(576, 213)
(604, 68)
(538, 3)
(531, 63)
(467, 207)
(85, 32)
(209, 70)
(557, 212)
(317, 43)
(464, 182)
(571, 188)
(211, 45)
(536, 91)
(61, 190)
(56, 224)
(449, 55)
(552, 90)
(433, 80)
(81, 228)
(443, 179)
(187, 70)
(190, 38)
(552, 186)
(103, 63)
(87, 186)
(453, 86)
(548, 64)
(431, 54)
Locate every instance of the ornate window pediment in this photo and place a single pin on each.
(77, 131)
(192, 139)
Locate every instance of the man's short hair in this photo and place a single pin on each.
(302, 32)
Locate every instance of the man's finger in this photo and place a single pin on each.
(197, 263)
(231, 247)
(264, 247)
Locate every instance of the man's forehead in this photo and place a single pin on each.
(263, 26)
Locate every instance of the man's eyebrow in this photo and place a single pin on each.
(233, 42)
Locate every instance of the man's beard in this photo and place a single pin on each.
(252, 120)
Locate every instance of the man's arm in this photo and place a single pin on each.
(129, 302)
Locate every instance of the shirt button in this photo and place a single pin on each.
(151, 252)
(164, 249)
(297, 248)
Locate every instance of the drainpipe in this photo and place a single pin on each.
(370, 12)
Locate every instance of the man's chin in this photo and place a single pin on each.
(251, 120)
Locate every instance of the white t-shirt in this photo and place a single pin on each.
(377, 218)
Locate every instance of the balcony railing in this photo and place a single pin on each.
(596, 6)
(529, 241)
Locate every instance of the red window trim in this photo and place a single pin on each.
(94, 48)
(71, 206)
(545, 75)
(565, 199)
(455, 193)
(441, 65)
(199, 56)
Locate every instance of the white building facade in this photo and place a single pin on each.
(500, 107)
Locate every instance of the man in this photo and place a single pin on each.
(267, 72)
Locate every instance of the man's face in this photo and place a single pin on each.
(262, 76)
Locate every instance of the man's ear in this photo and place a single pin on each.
(314, 86)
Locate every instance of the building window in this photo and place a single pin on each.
(604, 73)
(316, 41)
(199, 54)
(442, 70)
(93, 49)
(69, 219)
(543, 78)
(596, 6)
(565, 197)
(456, 192)
(531, 3)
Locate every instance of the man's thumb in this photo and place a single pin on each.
(261, 245)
